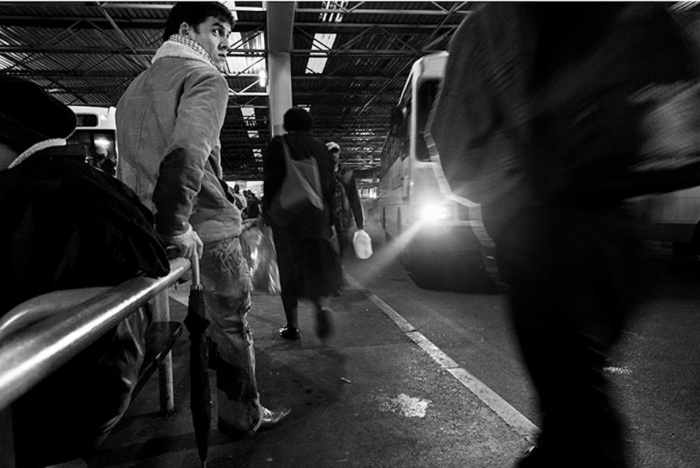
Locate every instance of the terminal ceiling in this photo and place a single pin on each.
(349, 62)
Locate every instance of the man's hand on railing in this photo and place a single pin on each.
(186, 244)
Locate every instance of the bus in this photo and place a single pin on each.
(97, 131)
(440, 238)
(442, 243)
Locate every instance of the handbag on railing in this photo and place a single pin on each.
(300, 193)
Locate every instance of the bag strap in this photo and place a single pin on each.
(285, 147)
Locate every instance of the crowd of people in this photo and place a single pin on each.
(571, 265)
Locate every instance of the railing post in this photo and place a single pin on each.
(7, 439)
(161, 313)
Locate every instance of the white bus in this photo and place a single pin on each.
(97, 131)
(442, 243)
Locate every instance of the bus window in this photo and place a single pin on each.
(426, 97)
(96, 131)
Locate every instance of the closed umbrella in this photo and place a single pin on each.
(200, 396)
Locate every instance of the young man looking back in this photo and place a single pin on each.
(169, 122)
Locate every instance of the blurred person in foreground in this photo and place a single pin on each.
(309, 264)
(169, 122)
(348, 206)
(514, 135)
(67, 225)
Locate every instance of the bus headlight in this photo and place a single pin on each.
(433, 213)
(102, 142)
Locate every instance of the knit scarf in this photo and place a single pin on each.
(179, 46)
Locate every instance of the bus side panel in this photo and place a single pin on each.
(675, 216)
(391, 198)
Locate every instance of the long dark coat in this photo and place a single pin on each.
(307, 255)
(68, 225)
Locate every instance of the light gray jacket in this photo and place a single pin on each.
(168, 126)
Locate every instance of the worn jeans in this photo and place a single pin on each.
(227, 287)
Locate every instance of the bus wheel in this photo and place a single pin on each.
(423, 270)
(445, 271)
(469, 274)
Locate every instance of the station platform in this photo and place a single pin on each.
(369, 397)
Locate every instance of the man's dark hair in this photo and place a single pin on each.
(298, 119)
(195, 13)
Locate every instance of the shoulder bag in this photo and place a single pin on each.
(300, 193)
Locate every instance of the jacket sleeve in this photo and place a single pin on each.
(354, 198)
(200, 116)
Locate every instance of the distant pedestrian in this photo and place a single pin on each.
(241, 201)
(533, 117)
(109, 166)
(349, 215)
(252, 210)
(309, 264)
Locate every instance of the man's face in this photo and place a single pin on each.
(335, 154)
(212, 35)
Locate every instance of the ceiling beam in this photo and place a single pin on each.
(64, 21)
(134, 74)
(149, 51)
(164, 6)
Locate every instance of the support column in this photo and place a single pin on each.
(280, 22)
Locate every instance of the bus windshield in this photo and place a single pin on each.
(426, 97)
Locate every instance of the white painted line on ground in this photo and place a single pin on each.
(511, 416)
(388, 311)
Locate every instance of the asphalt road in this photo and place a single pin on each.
(655, 369)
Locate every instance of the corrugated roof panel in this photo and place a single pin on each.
(74, 50)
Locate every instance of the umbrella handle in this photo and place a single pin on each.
(196, 281)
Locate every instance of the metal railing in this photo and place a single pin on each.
(33, 353)
(32, 350)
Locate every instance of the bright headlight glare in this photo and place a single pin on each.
(102, 142)
(434, 213)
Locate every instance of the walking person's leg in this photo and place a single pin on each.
(290, 303)
(324, 317)
(289, 279)
(571, 276)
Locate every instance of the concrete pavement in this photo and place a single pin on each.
(370, 397)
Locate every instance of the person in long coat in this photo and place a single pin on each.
(307, 256)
